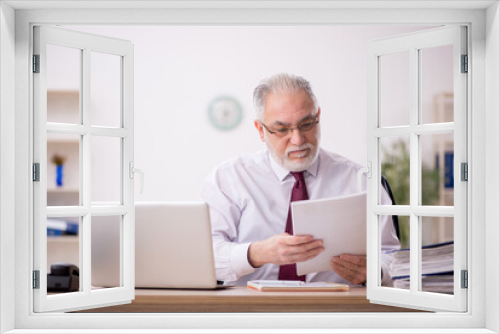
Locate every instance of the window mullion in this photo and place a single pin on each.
(414, 171)
(438, 128)
(85, 160)
(405, 210)
(372, 196)
(127, 156)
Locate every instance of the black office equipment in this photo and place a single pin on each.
(395, 219)
(63, 277)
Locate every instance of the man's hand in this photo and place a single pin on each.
(350, 267)
(284, 249)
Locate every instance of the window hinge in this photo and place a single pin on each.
(465, 279)
(465, 171)
(36, 63)
(465, 64)
(36, 172)
(36, 279)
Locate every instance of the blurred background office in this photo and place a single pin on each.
(193, 107)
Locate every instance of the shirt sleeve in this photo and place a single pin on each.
(231, 260)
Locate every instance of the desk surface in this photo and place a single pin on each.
(242, 299)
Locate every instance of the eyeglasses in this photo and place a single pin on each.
(285, 130)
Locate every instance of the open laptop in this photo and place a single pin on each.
(173, 247)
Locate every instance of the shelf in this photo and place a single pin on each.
(63, 106)
(62, 190)
(63, 239)
(62, 138)
(63, 196)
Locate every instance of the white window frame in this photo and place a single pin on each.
(483, 144)
(413, 43)
(124, 51)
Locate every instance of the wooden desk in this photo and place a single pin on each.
(242, 299)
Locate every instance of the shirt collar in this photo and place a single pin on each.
(282, 173)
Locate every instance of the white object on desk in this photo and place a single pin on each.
(276, 283)
(341, 224)
(268, 285)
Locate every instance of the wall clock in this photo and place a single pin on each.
(225, 113)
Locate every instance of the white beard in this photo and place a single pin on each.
(290, 165)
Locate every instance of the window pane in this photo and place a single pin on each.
(395, 166)
(105, 104)
(437, 254)
(63, 255)
(395, 89)
(63, 84)
(436, 97)
(400, 266)
(106, 170)
(106, 246)
(437, 169)
(63, 169)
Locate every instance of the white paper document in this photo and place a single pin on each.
(340, 222)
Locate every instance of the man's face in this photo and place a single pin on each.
(296, 150)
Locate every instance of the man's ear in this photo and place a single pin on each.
(319, 112)
(259, 128)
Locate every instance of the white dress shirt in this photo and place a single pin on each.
(249, 198)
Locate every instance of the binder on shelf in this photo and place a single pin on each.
(449, 176)
(449, 181)
(53, 233)
(57, 227)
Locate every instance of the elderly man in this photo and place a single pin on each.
(249, 196)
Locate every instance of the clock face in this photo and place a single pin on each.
(225, 113)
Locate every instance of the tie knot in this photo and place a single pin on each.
(299, 176)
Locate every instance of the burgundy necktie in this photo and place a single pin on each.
(288, 272)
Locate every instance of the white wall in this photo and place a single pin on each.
(179, 70)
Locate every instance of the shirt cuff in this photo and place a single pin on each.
(239, 260)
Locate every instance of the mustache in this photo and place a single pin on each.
(299, 148)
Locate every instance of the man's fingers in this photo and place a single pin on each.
(302, 249)
(352, 272)
(297, 244)
(312, 253)
(311, 245)
(348, 265)
(292, 240)
(359, 260)
(353, 276)
(307, 255)
(290, 249)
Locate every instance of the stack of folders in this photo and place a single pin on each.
(437, 268)
(58, 227)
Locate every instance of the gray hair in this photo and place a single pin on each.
(276, 84)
